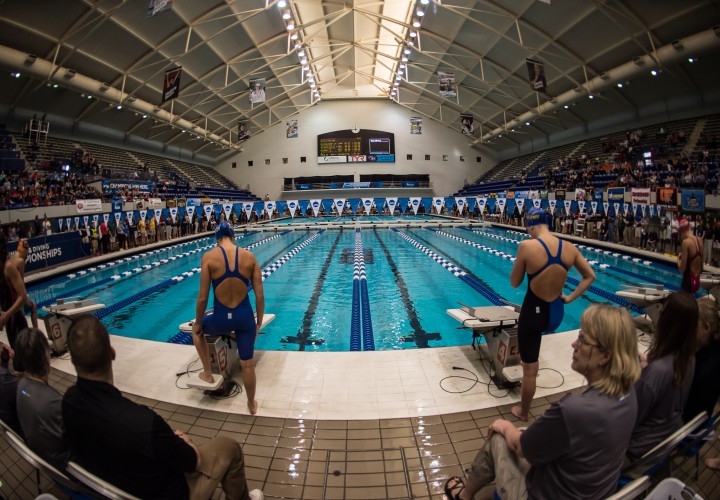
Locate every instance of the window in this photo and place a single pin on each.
(427, 157)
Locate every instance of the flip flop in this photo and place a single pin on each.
(453, 491)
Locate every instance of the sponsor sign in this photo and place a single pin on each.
(332, 159)
(640, 196)
(693, 200)
(357, 158)
(88, 206)
(355, 185)
(51, 250)
(142, 186)
(616, 195)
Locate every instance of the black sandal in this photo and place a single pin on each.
(453, 492)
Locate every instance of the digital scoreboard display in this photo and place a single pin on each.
(358, 146)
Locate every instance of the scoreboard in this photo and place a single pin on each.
(361, 146)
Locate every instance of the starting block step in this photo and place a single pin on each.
(198, 383)
(513, 373)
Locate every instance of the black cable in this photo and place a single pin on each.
(474, 381)
(554, 386)
(187, 373)
(234, 391)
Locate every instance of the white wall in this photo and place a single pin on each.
(437, 140)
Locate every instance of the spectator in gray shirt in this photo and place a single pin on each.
(8, 391)
(39, 406)
(577, 447)
(664, 385)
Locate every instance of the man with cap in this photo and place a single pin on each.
(690, 260)
(547, 260)
(231, 279)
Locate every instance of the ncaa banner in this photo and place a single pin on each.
(693, 200)
(606, 205)
(481, 204)
(128, 217)
(567, 203)
(85, 221)
(67, 223)
(367, 205)
(339, 205)
(208, 211)
(106, 218)
(415, 204)
(95, 218)
(77, 222)
(247, 208)
(642, 209)
(118, 216)
(392, 203)
(520, 202)
(60, 223)
(171, 84)
(438, 204)
(315, 204)
(536, 202)
(626, 208)
(460, 202)
(652, 210)
(552, 204)
(158, 214)
(173, 213)
(292, 206)
(594, 205)
(501, 204)
(269, 207)
(227, 208)
(616, 206)
(143, 213)
(581, 206)
(190, 211)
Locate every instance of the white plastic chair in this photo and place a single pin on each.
(632, 489)
(672, 489)
(96, 484)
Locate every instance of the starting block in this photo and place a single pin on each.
(711, 283)
(497, 325)
(223, 356)
(60, 316)
(650, 298)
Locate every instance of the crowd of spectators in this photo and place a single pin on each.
(41, 189)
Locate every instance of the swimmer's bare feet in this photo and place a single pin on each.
(206, 378)
(517, 413)
(252, 407)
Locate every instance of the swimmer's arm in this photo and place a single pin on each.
(204, 292)
(682, 258)
(13, 276)
(518, 271)
(588, 277)
(257, 285)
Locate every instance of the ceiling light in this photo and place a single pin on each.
(303, 60)
(287, 15)
(620, 84)
(144, 116)
(691, 60)
(413, 33)
(404, 59)
(420, 11)
(527, 123)
(16, 74)
(291, 25)
(566, 106)
(653, 72)
(312, 85)
(294, 36)
(282, 4)
(591, 96)
(400, 72)
(55, 85)
(403, 65)
(407, 51)
(398, 77)
(119, 106)
(301, 53)
(424, 2)
(311, 78)
(306, 67)
(396, 84)
(393, 93)
(415, 23)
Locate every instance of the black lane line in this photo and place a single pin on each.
(283, 251)
(303, 337)
(419, 335)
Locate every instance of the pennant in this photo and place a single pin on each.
(247, 208)
(85, 221)
(415, 204)
(552, 204)
(501, 204)
(520, 204)
(67, 223)
(616, 206)
(190, 211)
(594, 205)
(391, 203)
(581, 206)
(606, 205)
(143, 214)
(129, 216)
(438, 204)
(367, 205)
(315, 204)
(642, 209)
(118, 216)
(339, 205)
(106, 218)
(481, 203)
(626, 208)
(652, 210)
(292, 206)
(460, 202)
(227, 209)
(568, 204)
(173, 213)
(95, 217)
(60, 223)
(537, 202)
(77, 222)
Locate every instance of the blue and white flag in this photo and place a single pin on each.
(106, 218)
(315, 204)
(415, 204)
(118, 216)
(67, 223)
(581, 206)
(642, 209)
(96, 217)
(652, 210)
(143, 214)
(438, 204)
(339, 205)
(77, 222)
(616, 206)
(190, 211)
(537, 202)
(594, 205)
(227, 208)
(129, 216)
(60, 223)
(157, 213)
(269, 207)
(606, 206)
(173, 213)
(501, 204)
(292, 206)
(520, 202)
(247, 208)
(460, 202)
(481, 203)
(85, 220)
(568, 204)
(626, 208)
(552, 204)
(367, 205)
(392, 203)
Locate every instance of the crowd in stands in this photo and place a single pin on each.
(42, 189)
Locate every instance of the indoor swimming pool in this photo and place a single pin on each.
(343, 290)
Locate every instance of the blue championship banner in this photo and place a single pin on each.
(693, 200)
(51, 250)
(616, 195)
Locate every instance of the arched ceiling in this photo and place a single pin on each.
(353, 49)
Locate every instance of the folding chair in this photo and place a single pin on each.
(44, 468)
(672, 489)
(632, 490)
(692, 445)
(99, 485)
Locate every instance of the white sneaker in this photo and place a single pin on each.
(256, 495)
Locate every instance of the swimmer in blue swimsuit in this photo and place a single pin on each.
(231, 306)
(546, 260)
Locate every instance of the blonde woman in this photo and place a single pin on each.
(557, 455)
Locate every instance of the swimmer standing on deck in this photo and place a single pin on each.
(231, 270)
(547, 260)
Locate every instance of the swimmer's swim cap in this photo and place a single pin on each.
(537, 216)
(683, 225)
(23, 248)
(223, 230)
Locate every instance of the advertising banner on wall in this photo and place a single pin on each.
(51, 250)
(640, 196)
(447, 84)
(616, 195)
(88, 206)
(415, 125)
(666, 197)
(693, 200)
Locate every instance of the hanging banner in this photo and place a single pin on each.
(315, 204)
(652, 210)
(466, 121)
(693, 200)
(106, 218)
(640, 196)
(415, 204)
(190, 211)
(567, 203)
(460, 202)
(85, 221)
(60, 223)
(291, 129)
(581, 206)
(95, 218)
(173, 213)
(247, 208)
(594, 205)
(367, 205)
(481, 204)
(438, 204)
(616, 206)
(227, 209)
(143, 213)
(626, 208)
(536, 74)
(339, 205)
(257, 90)
(269, 207)
(667, 197)
(118, 216)
(606, 205)
(501, 204)
(292, 206)
(391, 203)
(67, 224)
(642, 209)
(520, 202)
(616, 195)
(171, 84)
(537, 202)
(88, 206)
(552, 204)
(447, 84)
(77, 222)
(415, 125)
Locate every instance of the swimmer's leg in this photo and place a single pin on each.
(201, 347)
(33, 315)
(527, 391)
(249, 381)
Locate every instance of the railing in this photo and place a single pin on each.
(356, 185)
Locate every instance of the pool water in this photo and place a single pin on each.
(413, 275)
